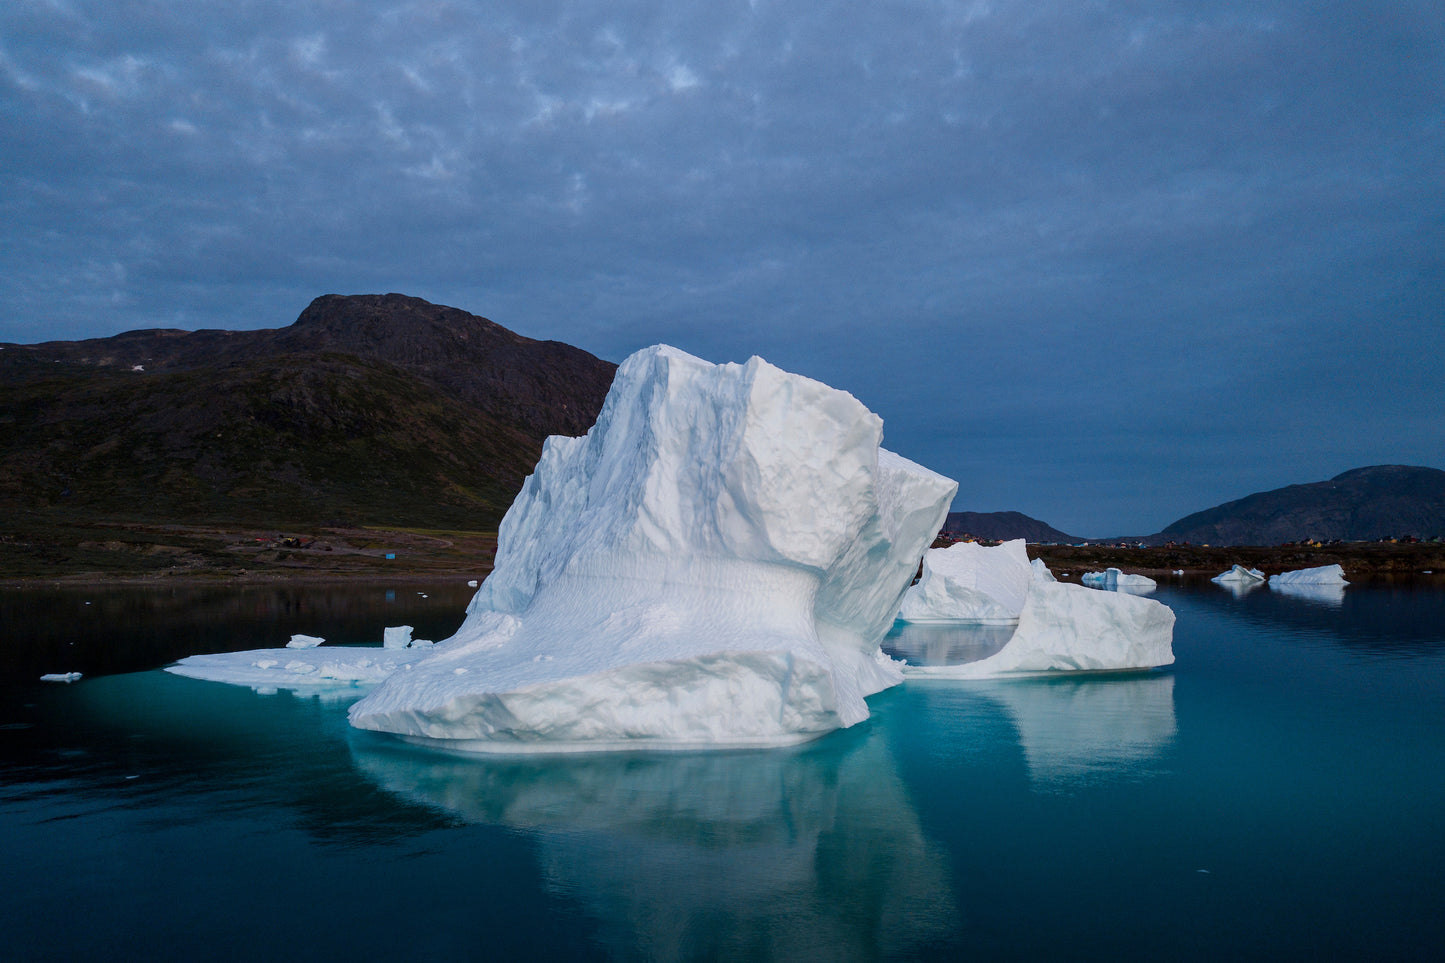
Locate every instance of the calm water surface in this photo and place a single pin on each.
(1277, 793)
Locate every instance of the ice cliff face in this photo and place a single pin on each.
(714, 563)
(968, 582)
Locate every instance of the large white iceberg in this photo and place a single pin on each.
(1066, 627)
(1323, 575)
(968, 582)
(713, 564)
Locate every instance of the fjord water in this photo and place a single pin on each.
(1276, 793)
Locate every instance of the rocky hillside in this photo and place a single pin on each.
(1363, 504)
(370, 409)
(1001, 526)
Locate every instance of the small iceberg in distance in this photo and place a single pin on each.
(1240, 575)
(1114, 580)
(1323, 575)
(1324, 584)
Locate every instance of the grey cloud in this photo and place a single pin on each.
(1001, 224)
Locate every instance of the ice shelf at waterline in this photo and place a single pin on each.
(968, 582)
(1070, 628)
(309, 667)
(713, 564)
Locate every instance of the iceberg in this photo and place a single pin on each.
(1117, 581)
(968, 582)
(713, 564)
(304, 642)
(1239, 574)
(1066, 627)
(1041, 571)
(1325, 584)
(1323, 575)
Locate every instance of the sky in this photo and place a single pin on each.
(1104, 263)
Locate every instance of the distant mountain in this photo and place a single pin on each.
(1001, 526)
(1363, 504)
(368, 409)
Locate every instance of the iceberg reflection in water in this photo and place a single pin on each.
(1324, 593)
(812, 853)
(1075, 730)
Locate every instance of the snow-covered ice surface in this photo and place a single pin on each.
(1239, 574)
(1041, 571)
(1070, 628)
(713, 564)
(335, 666)
(1117, 581)
(1323, 575)
(968, 582)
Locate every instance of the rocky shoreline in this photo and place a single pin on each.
(144, 554)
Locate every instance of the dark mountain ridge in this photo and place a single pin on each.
(369, 408)
(1002, 526)
(1363, 504)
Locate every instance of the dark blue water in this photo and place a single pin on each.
(1278, 793)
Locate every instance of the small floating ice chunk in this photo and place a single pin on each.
(471, 583)
(396, 636)
(61, 677)
(968, 582)
(1239, 574)
(304, 642)
(1117, 581)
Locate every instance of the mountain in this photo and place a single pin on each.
(368, 409)
(1001, 526)
(1363, 504)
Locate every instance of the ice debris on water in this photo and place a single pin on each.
(304, 642)
(61, 677)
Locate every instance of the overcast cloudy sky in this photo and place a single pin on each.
(1105, 263)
